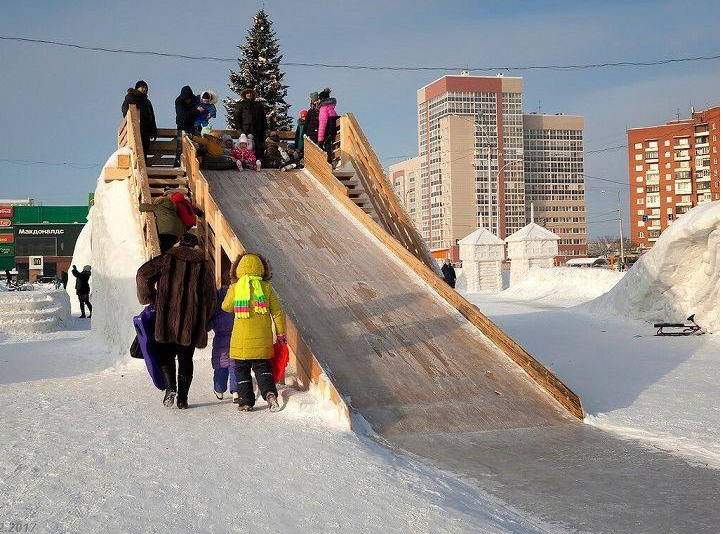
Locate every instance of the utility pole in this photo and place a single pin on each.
(620, 227)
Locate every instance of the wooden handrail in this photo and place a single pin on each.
(356, 148)
(139, 185)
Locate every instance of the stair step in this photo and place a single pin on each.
(344, 173)
(157, 192)
(181, 180)
(165, 171)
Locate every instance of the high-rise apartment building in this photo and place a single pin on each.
(554, 180)
(470, 145)
(472, 164)
(673, 167)
(406, 179)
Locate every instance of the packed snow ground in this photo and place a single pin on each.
(85, 450)
(662, 391)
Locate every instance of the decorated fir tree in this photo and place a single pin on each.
(259, 70)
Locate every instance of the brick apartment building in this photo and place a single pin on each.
(473, 164)
(673, 167)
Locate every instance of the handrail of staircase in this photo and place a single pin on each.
(129, 135)
(356, 147)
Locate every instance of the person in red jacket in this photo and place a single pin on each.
(187, 211)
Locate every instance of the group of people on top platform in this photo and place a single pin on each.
(255, 147)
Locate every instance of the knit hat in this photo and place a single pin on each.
(302, 114)
(243, 139)
(141, 83)
(326, 93)
(209, 97)
(314, 96)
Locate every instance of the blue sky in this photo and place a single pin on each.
(64, 105)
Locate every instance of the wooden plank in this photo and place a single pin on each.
(113, 173)
(180, 180)
(172, 172)
(123, 161)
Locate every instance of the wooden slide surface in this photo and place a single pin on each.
(395, 350)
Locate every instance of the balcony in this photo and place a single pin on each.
(682, 157)
(701, 133)
(683, 203)
(685, 146)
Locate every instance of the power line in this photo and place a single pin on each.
(53, 163)
(368, 67)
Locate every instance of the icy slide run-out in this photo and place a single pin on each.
(428, 383)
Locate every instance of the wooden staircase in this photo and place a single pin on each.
(347, 175)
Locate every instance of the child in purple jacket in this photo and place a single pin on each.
(224, 374)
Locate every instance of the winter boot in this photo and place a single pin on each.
(245, 408)
(234, 397)
(184, 384)
(273, 403)
(219, 396)
(169, 377)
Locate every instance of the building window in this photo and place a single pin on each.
(638, 146)
(641, 234)
(639, 168)
(638, 189)
(667, 142)
(640, 201)
(641, 224)
(638, 157)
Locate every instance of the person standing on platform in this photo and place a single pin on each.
(186, 113)
(250, 118)
(138, 96)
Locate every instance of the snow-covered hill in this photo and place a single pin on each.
(679, 276)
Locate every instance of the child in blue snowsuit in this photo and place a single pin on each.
(206, 106)
(224, 375)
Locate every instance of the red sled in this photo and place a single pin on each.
(279, 361)
(145, 324)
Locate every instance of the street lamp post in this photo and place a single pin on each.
(620, 230)
(620, 227)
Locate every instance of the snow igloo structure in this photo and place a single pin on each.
(482, 254)
(531, 246)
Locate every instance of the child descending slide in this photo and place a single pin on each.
(256, 308)
(244, 156)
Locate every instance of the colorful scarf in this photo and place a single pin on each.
(242, 300)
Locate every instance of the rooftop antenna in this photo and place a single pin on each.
(678, 114)
(539, 107)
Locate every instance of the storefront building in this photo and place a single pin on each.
(39, 240)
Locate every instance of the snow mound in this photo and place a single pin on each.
(564, 285)
(33, 312)
(679, 276)
(111, 242)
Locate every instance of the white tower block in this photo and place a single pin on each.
(482, 253)
(530, 246)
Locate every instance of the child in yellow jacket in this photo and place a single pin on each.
(256, 307)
